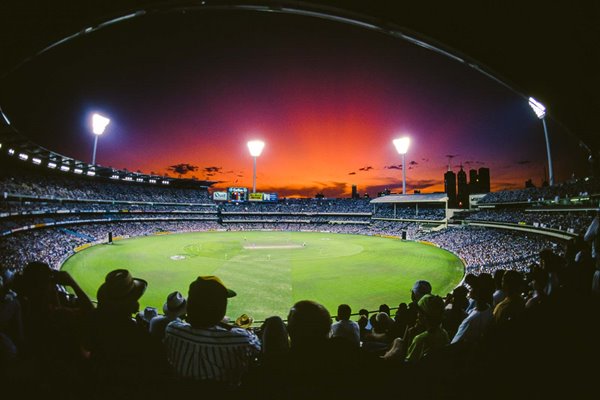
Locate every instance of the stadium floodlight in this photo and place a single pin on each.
(540, 111)
(402, 148)
(256, 147)
(99, 124)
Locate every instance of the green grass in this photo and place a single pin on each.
(361, 271)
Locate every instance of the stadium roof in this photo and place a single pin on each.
(411, 198)
(12, 144)
(548, 51)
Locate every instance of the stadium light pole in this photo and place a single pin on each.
(540, 111)
(99, 124)
(256, 147)
(402, 148)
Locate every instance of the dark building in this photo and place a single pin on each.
(450, 187)
(484, 180)
(473, 181)
(354, 192)
(463, 188)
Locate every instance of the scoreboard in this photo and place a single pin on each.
(241, 195)
(237, 194)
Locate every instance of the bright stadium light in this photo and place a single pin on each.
(540, 111)
(402, 148)
(256, 147)
(99, 124)
(538, 108)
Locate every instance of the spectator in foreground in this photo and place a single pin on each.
(125, 358)
(344, 328)
(316, 360)
(513, 305)
(431, 310)
(204, 348)
(174, 308)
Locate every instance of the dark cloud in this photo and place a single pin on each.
(397, 166)
(523, 162)
(413, 162)
(212, 171)
(425, 160)
(183, 168)
(367, 168)
(352, 173)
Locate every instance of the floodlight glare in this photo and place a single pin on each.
(538, 108)
(402, 148)
(402, 144)
(256, 147)
(540, 111)
(99, 124)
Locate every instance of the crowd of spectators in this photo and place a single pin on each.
(302, 206)
(487, 249)
(576, 188)
(69, 187)
(438, 345)
(404, 212)
(570, 221)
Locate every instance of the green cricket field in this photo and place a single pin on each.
(271, 270)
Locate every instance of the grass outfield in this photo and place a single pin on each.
(272, 270)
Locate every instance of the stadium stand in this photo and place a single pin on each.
(44, 217)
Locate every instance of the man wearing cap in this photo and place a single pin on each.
(204, 348)
(431, 310)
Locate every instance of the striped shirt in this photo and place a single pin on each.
(215, 353)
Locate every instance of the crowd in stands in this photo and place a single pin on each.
(439, 345)
(525, 319)
(403, 212)
(53, 246)
(304, 206)
(577, 188)
(570, 221)
(486, 250)
(69, 187)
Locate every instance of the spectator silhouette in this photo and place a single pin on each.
(344, 328)
(174, 308)
(126, 360)
(315, 360)
(513, 305)
(204, 348)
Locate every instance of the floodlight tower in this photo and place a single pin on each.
(402, 148)
(540, 111)
(99, 124)
(256, 147)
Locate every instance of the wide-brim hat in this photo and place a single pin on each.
(244, 321)
(120, 286)
(175, 306)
